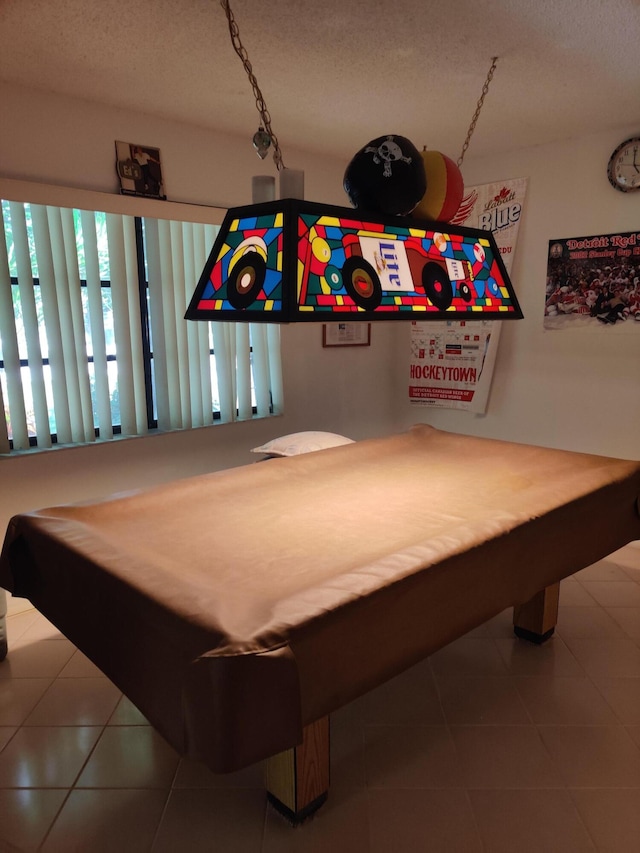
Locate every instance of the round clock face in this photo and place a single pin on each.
(624, 166)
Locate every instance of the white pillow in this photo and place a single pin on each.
(301, 442)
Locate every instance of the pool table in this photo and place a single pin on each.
(238, 609)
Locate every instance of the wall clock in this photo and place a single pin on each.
(624, 166)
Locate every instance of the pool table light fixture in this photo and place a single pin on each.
(293, 261)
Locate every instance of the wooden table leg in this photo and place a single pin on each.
(536, 619)
(298, 780)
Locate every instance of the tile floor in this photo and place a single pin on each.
(491, 745)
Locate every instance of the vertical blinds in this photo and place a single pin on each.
(92, 335)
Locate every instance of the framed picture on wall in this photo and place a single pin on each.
(593, 282)
(346, 335)
(139, 170)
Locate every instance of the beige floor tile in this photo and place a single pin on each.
(603, 570)
(25, 817)
(481, 701)
(79, 666)
(417, 821)
(593, 756)
(347, 748)
(36, 659)
(575, 595)
(41, 629)
(503, 757)
(564, 701)
(628, 618)
(194, 774)
(468, 656)
(409, 699)
(587, 622)
(627, 557)
(75, 702)
(126, 714)
(18, 697)
(341, 825)
(130, 757)
(623, 697)
(612, 818)
(410, 757)
(606, 657)
(530, 822)
(614, 593)
(47, 756)
(552, 658)
(203, 821)
(18, 624)
(102, 821)
(15, 605)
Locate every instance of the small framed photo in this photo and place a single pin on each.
(139, 170)
(346, 335)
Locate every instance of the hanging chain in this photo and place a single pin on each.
(260, 104)
(476, 115)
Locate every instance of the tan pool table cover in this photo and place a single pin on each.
(233, 608)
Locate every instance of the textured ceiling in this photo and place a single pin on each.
(338, 73)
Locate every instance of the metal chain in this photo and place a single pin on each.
(260, 104)
(476, 115)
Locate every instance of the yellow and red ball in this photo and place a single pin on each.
(445, 188)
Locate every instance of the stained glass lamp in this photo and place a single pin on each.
(293, 261)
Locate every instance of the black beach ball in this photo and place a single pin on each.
(386, 176)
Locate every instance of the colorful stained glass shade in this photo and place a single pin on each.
(290, 261)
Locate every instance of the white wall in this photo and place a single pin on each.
(577, 389)
(70, 142)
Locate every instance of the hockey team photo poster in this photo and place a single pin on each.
(594, 283)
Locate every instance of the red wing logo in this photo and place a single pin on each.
(466, 206)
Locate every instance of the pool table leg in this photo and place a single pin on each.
(536, 619)
(297, 780)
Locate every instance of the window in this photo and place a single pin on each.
(92, 337)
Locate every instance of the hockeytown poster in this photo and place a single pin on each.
(451, 363)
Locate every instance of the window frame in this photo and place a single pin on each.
(139, 209)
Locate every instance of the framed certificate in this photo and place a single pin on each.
(346, 335)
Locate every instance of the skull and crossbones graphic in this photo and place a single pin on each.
(389, 152)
